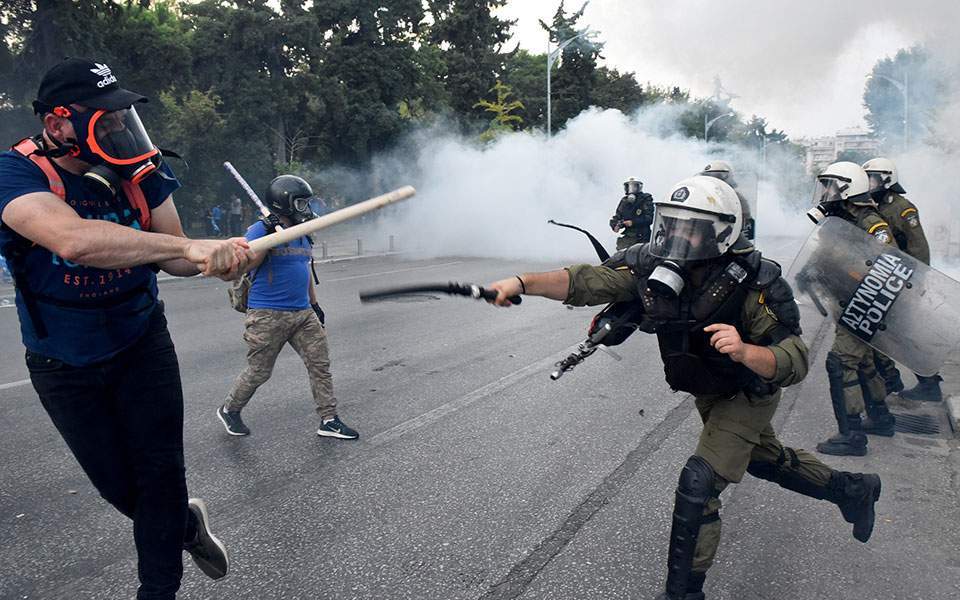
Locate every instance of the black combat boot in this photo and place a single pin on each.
(851, 441)
(694, 588)
(926, 390)
(855, 494)
(879, 421)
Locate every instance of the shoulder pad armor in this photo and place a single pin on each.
(767, 274)
(778, 298)
(639, 259)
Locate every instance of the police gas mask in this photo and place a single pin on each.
(699, 222)
(828, 199)
(115, 144)
(839, 185)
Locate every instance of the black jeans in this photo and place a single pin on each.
(123, 421)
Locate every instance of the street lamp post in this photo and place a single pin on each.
(708, 124)
(904, 88)
(552, 57)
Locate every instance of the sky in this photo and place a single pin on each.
(803, 66)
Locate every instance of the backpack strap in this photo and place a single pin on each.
(139, 203)
(28, 147)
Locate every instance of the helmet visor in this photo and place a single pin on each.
(828, 189)
(686, 236)
(119, 137)
(632, 186)
(877, 180)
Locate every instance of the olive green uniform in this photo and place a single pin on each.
(855, 358)
(904, 220)
(737, 431)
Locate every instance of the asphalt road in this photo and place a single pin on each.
(475, 475)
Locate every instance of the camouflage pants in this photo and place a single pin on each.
(737, 432)
(627, 239)
(861, 381)
(267, 331)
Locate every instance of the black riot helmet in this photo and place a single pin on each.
(290, 196)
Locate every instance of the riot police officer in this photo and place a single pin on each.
(743, 347)
(633, 216)
(722, 170)
(904, 221)
(843, 191)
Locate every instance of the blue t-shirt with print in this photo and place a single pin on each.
(90, 314)
(281, 280)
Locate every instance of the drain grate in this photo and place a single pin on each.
(922, 424)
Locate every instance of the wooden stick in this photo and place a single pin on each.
(344, 214)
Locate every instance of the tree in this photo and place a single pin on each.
(908, 76)
(502, 120)
(526, 75)
(473, 38)
(575, 79)
(613, 89)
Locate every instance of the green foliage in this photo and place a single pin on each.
(290, 85)
(502, 120)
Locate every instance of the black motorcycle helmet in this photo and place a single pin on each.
(289, 195)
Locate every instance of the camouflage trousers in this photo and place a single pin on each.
(267, 331)
(737, 434)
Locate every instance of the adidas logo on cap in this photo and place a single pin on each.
(104, 71)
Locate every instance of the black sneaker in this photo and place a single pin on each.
(207, 551)
(232, 421)
(335, 428)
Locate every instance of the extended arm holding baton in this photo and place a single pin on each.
(453, 288)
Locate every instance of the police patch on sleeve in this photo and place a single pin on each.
(913, 220)
(883, 235)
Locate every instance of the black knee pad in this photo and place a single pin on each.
(697, 480)
(834, 365)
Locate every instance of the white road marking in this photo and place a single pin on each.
(13, 384)
(432, 416)
(390, 272)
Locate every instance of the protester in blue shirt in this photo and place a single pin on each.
(282, 308)
(87, 220)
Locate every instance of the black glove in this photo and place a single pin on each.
(271, 222)
(316, 308)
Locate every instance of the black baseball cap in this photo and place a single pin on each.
(81, 81)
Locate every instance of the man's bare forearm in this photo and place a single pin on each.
(549, 284)
(107, 245)
(760, 360)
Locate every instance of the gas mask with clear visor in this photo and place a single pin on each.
(699, 222)
(632, 187)
(115, 143)
(681, 239)
(827, 198)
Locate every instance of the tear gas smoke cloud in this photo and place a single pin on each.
(494, 200)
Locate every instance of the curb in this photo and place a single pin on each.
(953, 412)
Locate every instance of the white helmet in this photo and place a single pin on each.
(720, 169)
(843, 181)
(883, 174)
(632, 186)
(700, 219)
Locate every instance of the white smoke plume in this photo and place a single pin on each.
(495, 199)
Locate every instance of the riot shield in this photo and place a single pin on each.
(891, 301)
